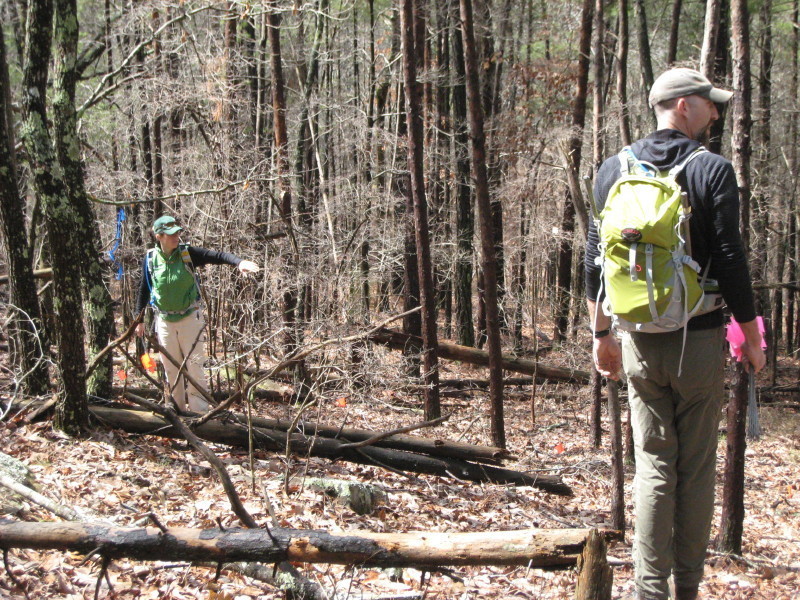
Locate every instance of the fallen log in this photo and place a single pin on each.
(409, 443)
(484, 383)
(447, 350)
(273, 395)
(236, 434)
(426, 550)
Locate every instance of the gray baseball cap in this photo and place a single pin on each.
(677, 83)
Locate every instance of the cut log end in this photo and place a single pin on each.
(594, 572)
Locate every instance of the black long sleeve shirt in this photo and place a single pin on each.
(710, 184)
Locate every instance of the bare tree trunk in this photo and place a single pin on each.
(565, 253)
(645, 60)
(732, 520)
(465, 218)
(672, 49)
(63, 222)
(791, 233)
(443, 134)
(25, 326)
(290, 294)
(520, 279)
(622, 73)
(598, 93)
(364, 262)
(718, 67)
(97, 299)
(762, 183)
(617, 467)
(411, 48)
(731, 527)
(488, 263)
(708, 53)
(595, 419)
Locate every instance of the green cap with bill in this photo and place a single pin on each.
(166, 224)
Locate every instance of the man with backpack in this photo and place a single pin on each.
(169, 284)
(663, 249)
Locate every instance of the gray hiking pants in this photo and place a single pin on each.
(675, 422)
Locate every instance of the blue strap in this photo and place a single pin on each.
(117, 242)
(645, 167)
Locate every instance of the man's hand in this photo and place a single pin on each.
(751, 348)
(248, 266)
(139, 329)
(607, 356)
(754, 355)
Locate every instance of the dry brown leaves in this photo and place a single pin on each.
(123, 478)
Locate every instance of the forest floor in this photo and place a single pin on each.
(123, 477)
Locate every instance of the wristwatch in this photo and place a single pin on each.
(601, 333)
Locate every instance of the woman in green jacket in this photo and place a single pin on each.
(169, 285)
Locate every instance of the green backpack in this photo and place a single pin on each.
(651, 282)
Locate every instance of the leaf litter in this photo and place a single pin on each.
(123, 477)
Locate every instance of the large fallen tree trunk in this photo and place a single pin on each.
(527, 547)
(398, 441)
(399, 341)
(236, 434)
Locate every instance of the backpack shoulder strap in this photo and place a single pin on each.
(630, 164)
(624, 160)
(186, 257)
(149, 261)
(187, 263)
(676, 170)
(148, 271)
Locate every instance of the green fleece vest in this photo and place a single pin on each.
(174, 289)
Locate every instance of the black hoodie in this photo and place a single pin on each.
(710, 183)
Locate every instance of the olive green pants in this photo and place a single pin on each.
(675, 422)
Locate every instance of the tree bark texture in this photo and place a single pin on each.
(598, 90)
(97, 299)
(236, 434)
(565, 250)
(763, 171)
(672, 48)
(25, 326)
(412, 47)
(63, 222)
(595, 418)
(595, 578)
(488, 262)
(473, 356)
(411, 443)
(711, 31)
(622, 73)
(791, 233)
(732, 520)
(528, 547)
(465, 217)
(282, 157)
(645, 60)
(290, 294)
(617, 466)
(731, 527)
(720, 71)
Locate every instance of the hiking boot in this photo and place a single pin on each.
(685, 593)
